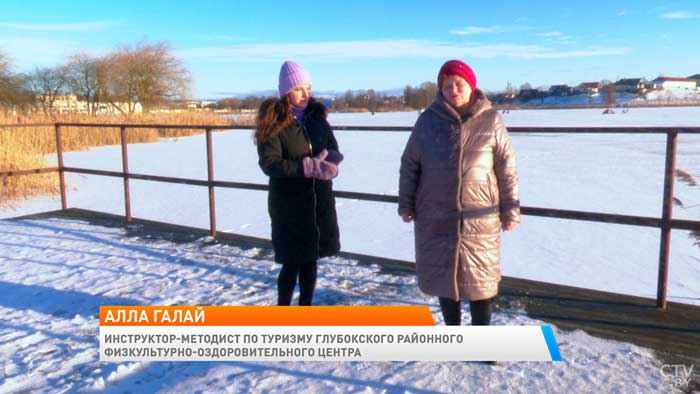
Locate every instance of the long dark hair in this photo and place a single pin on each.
(274, 115)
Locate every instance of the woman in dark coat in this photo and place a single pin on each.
(298, 151)
(459, 184)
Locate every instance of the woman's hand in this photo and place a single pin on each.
(509, 226)
(317, 167)
(407, 218)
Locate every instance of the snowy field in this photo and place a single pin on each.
(611, 173)
(54, 274)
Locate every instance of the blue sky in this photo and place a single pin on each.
(238, 46)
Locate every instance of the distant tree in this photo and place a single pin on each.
(372, 100)
(229, 103)
(148, 74)
(349, 98)
(525, 86)
(359, 99)
(610, 92)
(252, 102)
(47, 83)
(428, 92)
(13, 94)
(87, 78)
(421, 96)
(408, 95)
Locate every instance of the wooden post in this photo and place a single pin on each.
(61, 176)
(210, 177)
(125, 170)
(666, 215)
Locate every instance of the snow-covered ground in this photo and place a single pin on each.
(54, 274)
(604, 173)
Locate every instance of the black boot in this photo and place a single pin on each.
(451, 311)
(481, 312)
(286, 281)
(307, 283)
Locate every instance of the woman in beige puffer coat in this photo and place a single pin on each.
(459, 184)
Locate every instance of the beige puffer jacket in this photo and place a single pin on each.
(458, 179)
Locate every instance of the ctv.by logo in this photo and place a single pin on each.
(679, 374)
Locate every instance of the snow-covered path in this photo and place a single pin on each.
(54, 273)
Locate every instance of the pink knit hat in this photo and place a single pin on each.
(292, 76)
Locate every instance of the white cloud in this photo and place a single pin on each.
(556, 37)
(622, 13)
(226, 38)
(384, 49)
(469, 30)
(84, 26)
(550, 34)
(27, 52)
(680, 15)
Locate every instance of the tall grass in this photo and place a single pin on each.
(23, 148)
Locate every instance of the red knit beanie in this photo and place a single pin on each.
(457, 67)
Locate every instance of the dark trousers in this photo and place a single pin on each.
(287, 280)
(480, 311)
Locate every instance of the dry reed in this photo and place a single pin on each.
(24, 148)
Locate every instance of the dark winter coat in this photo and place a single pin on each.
(302, 210)
(458, 179)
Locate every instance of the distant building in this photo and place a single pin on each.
(631, 85)
(561, 90)
(696, 78)
(501, 98)
(197, 105)
(530, 94)
(71, 104)
(673, 83)
(589, 87)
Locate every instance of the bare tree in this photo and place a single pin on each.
(147, 74)
(47, 84)
(428, 92)
(610, 92)
(229, 103)
(13, 94)
(372, 100)
(87, 78)
(408, 95)
(349, 98)
(421, 96)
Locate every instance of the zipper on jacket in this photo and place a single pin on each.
(313, 192)
(308, 140)
(458, 254)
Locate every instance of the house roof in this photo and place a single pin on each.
(694, 76)
(590, 84)
(629, 81)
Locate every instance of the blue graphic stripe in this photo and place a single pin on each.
(551, 343)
